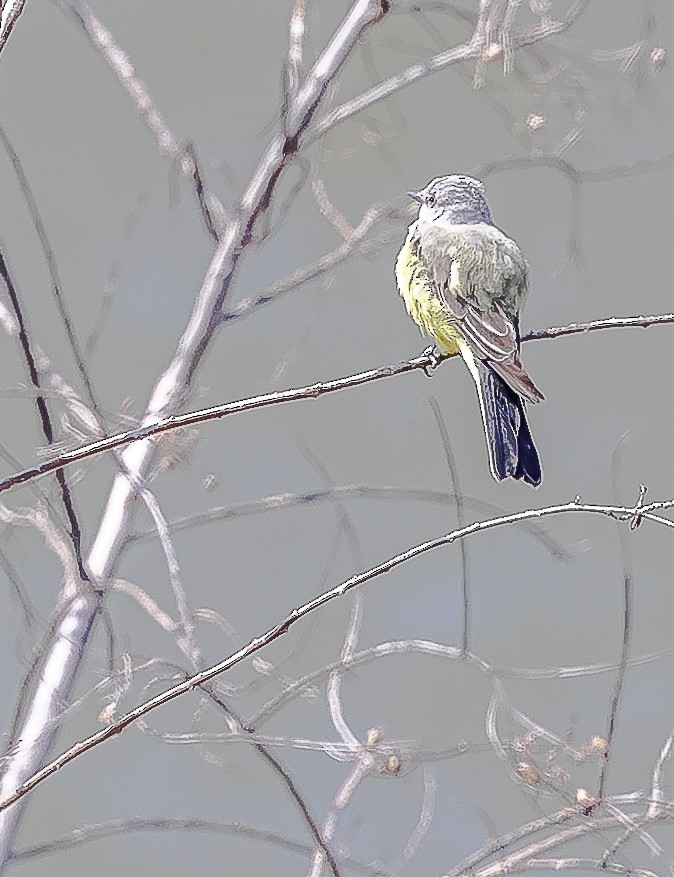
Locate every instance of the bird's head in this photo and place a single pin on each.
(456, 199)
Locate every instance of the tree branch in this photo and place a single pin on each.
(64, 651)
(11, 10)
(621, 513)
(311, 391)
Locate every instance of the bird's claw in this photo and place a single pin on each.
(434, 360)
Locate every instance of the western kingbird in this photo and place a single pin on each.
(464, 283)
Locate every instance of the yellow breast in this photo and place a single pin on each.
(422, 304)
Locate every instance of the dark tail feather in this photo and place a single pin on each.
(512, 453)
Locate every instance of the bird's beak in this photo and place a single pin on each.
(416, 196)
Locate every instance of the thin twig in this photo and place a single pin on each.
(185, 632)
(25, 343)
(460, 519)
(655, 807)
(199, 679)
(594, 325)
(52, 267)
(425, 647)
(117, 827)
(183, 155)
(358, 240)
(574, 863)
(311, 391)
(341, 492)
(441, 61)
(627, 588)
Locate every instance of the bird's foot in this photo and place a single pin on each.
(435, 358)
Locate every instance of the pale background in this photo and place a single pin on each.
(120, 218)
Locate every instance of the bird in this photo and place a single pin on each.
(464, 283)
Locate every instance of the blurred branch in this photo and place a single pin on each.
(117, 827)
(459, 503)
(501, 843)
(628, 600)
(340, 492)
(525, 859)
(305, 683)
(476, 48)
(182, 154)
(44, 416)
(109, 289)
(575, 178)
(52, 267)
(358, 240)
(620, 513)
(11, 10)
(173, 386)
(655, 806)
(312, 391)
(293, 65)
(187, 643)
(578, 863)
(362, 238)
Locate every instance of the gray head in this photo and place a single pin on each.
(457, 199)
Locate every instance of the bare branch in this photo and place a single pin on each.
(460, 519)
(655, 807)
(594, 325)
(627, 595)
(174, 384)
(623, 513)
(184, 156)
(116, 827)
(312, 391)
(465, 52)
(293, 68)
(426, 647)
(358, 240)
(44, 416)
(574, 863)
(356, 491)
(11, 10)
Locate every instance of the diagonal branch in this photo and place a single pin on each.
(616, 512)
(183, 155)
(158, 425)
(75, 532)
(10, 12)
(475, 49)
(64, 650)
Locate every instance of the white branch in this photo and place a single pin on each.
(65, 645)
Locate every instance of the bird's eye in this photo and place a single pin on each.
(430, 200)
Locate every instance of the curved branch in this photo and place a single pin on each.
(621, 513)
